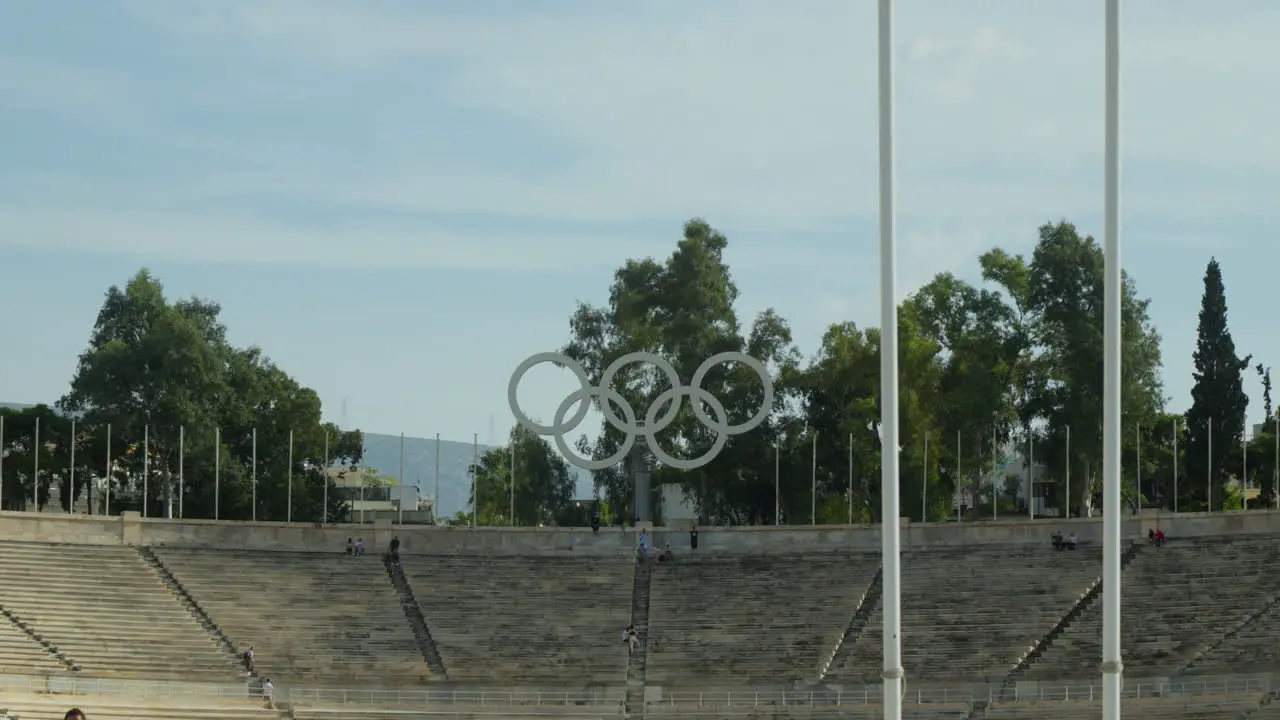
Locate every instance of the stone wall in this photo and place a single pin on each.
(131, 529)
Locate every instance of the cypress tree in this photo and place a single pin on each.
(1217, 398)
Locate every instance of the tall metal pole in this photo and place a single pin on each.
(850, 478)
(813, 482)
(1068, 503)
(146, 466)
(288, 512)
(253, 473)
(1137, 440)
(777, 473)
(182, 439)
(1031, 474)
(1244, 455)
(1275, 474)
(35, 473)
(71, 472)
(924, 482)
(889, 446)
(995, 476)
(1112, 666)
(475, 477)
(1175, 465)
(1208, 493)
(400, 485)
(1, 462)
(511, 500)
(959, 485)
(324, 512)
(106, 507)
(217, 471)
(435, 502)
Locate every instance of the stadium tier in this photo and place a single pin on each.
(995, 631)
(526, 620)
(310, 617)
(746, 622)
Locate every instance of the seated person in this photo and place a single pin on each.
(1151, 537)
(1072, 543)
(1159, 538)
(666, 555)
(1057, 541)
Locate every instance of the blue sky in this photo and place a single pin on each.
(400, 200)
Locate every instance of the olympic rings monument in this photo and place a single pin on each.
(640, 444)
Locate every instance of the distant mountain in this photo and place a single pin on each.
(14, 406)
(382, 452)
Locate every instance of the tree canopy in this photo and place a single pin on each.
(991, 373)
(159, 395)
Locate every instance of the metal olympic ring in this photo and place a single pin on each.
(655, 419)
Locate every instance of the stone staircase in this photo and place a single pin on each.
(1081, 606)
(35, 637)
(861, 616)
(634, 706)
(413, 613)
(193, 607)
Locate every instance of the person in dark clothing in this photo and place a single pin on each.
(1058, 542)
(693, 537)
(395, 550)
(74, 714)
(595, 523)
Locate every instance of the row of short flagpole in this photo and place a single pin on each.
(110, 469)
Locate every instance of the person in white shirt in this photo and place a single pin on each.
(360, 546)
(269, 694)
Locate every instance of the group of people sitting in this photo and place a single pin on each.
(644, 552)
(355, 547)
(1070, 543)
(1155, 537)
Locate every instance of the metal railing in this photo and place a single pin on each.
(72, 685)
(474, 698)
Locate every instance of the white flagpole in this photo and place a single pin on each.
(1112, 667)
(890, 536)
(71, 473)
(850, 478)
(1138, 450)
(1275, 474)
(288, 513)
(511, 510)
(400, 486)
(106, 506)
(995, 480)
(1, 462)
(1244, 457)
(253, 473)
(1209, 478)
(1031, 474)
(182, 449)
(324, 511)
(777, 473)
(435, 509)
(959, 482)
(217, 470)
(146, 466)
(813, 480)
(924, 482)
(475, 477)
(1069, 502)
(35, 474)
(1175, 464)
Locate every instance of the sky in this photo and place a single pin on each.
(399, 201)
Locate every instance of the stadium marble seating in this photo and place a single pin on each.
(1172, 708)
(109, 612)
(750, 621)
(938, 711)
(969, 614)
(312, 618)
(531, 621)
(117, 708)
(1177, 601)
(19, 653)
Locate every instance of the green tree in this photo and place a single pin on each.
(163, 374)
(682, 309)
(1218, 401)
(543, 483)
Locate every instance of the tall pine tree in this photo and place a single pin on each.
(1217, 400)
